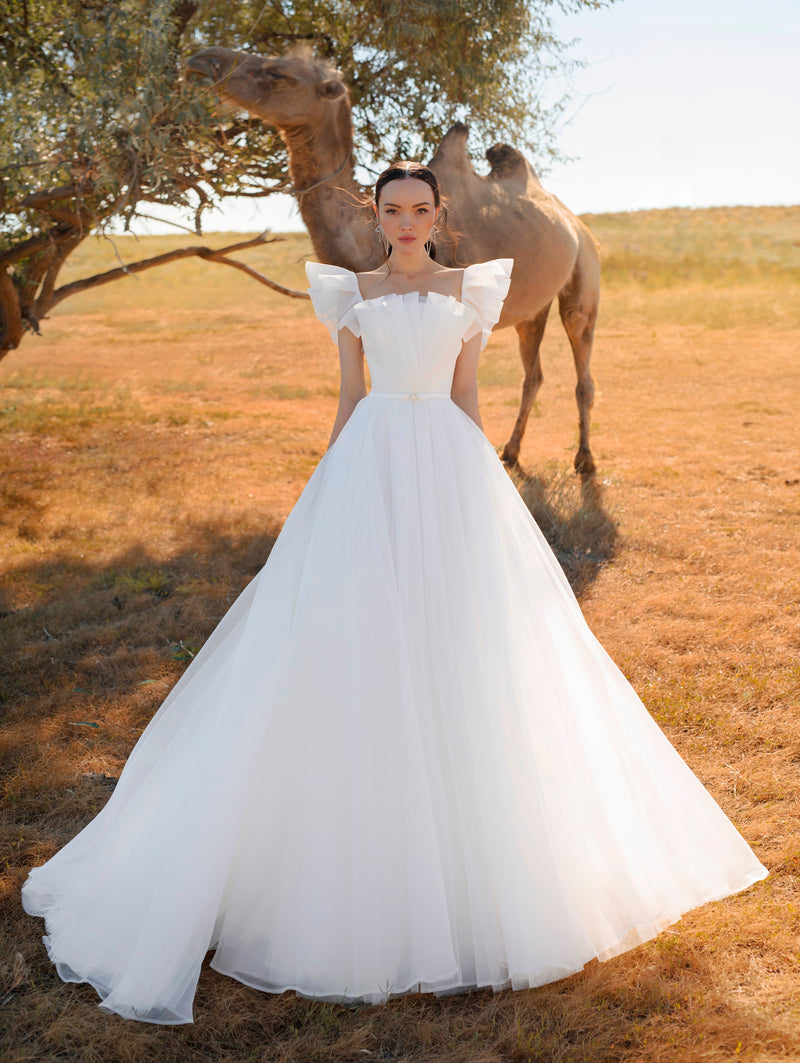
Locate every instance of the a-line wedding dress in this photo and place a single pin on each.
(401, 761)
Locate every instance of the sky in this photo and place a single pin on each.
(692, 103)
(683, 103)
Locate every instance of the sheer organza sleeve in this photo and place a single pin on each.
(484, 287)
(334, 292)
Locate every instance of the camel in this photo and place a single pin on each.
(507, 214)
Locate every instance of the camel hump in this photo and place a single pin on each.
(506, 162)
(452, 151)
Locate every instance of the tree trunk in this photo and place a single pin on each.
(11, 325)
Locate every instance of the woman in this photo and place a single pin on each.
(401, 761)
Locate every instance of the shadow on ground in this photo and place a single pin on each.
(97, 625)
(573, 518)
(95, 621)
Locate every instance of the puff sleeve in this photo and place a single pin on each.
(334, 292)
(483, 289)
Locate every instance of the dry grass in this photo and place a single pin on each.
(574, 519)
(154, 440)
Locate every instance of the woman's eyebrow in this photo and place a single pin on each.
(425, 204)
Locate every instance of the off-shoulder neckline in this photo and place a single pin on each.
(403, 295)
(420, 295)
(459, 300)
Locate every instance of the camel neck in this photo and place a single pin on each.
(321, 167)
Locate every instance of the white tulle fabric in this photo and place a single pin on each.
(401, 761)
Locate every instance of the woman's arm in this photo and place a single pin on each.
(353, 386)
(464, 391)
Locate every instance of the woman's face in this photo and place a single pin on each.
(407, 213)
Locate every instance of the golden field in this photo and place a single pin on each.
(154, 439)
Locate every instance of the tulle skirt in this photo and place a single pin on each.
(401, 762)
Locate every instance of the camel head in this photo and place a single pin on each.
(287, 91)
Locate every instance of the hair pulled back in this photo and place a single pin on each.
(399, 171)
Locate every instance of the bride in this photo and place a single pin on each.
(401, 762)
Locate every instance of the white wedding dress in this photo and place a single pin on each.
(401, 761)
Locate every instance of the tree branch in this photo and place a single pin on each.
(181, 14)
(45, 298)
(291, 292)
(65, 205)
(31, 246)
(207, 253)
(47, 195)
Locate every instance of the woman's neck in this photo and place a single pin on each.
(410, 264)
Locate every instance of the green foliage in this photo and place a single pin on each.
(416, 66)
(94, 99)
(146, 581)
(94, 104)
(97, 119)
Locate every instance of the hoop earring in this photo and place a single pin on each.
(382, 238)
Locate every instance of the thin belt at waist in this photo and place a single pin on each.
(411, 394)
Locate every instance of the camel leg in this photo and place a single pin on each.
(578, 309)
(530, 340)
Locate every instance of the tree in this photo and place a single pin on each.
(97, 120)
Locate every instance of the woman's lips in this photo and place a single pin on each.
(407, 239)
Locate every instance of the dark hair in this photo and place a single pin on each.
(399, 171)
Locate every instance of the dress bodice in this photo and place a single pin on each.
(411, 340)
